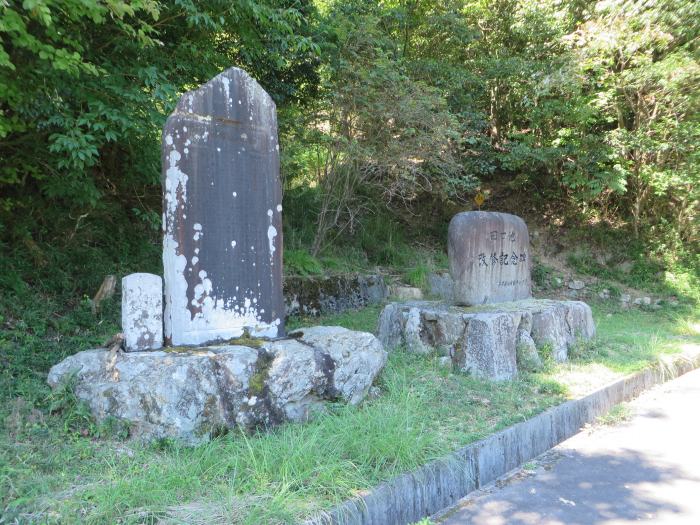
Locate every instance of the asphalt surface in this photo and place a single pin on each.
(646, 468)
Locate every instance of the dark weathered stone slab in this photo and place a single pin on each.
(222, 246)
(314, 296)
(489, 258)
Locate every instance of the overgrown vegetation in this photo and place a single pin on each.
(617, 414)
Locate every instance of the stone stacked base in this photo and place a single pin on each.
(191, 393)
(314, 296)
(490, 341)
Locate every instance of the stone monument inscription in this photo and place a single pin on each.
(489, 255)
(222, 244)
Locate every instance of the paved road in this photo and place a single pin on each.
(644, 469)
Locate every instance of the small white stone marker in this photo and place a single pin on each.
(142, 312)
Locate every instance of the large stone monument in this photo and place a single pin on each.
(493, 327)
(489, 257)
(222, 244)
(222, 258)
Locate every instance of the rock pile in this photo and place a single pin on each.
(489, 341)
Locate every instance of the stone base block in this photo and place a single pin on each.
(314, 296)
(488, 341)
(190, 393)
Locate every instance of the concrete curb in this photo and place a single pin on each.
(415, 495)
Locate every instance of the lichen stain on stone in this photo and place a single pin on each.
(326, 365)
(257, 384)
(271, 234)
(179, 349)
(246, 340)
(261, 411)
(211, 425)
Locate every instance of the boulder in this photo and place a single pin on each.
(191, 393)
(576, 285)
(488, 347)
(391, 326)
(526, 354)
(412, 330)
(355, 358)
(445, 362)
(560, 324)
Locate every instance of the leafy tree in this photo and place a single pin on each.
(85, 87)
(384, 133)
(641, 60)
(391, 104)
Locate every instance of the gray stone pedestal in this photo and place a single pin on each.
(488, 341)
(190, 393)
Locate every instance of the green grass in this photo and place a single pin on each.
(418, 276)
(541, 274)
(57, 466)
(630, 340)
(301, 262)
(364, 320)
(270, 477)
(616, 415)
(667, 278)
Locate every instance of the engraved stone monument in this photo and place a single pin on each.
(222, 258)
(222, 246)
(490, 326)
(489, 256)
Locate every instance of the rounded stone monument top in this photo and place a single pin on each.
(489, 255)
(232, 96)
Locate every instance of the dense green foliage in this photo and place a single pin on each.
(392, 115)
(405, 106)
(84, 88)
